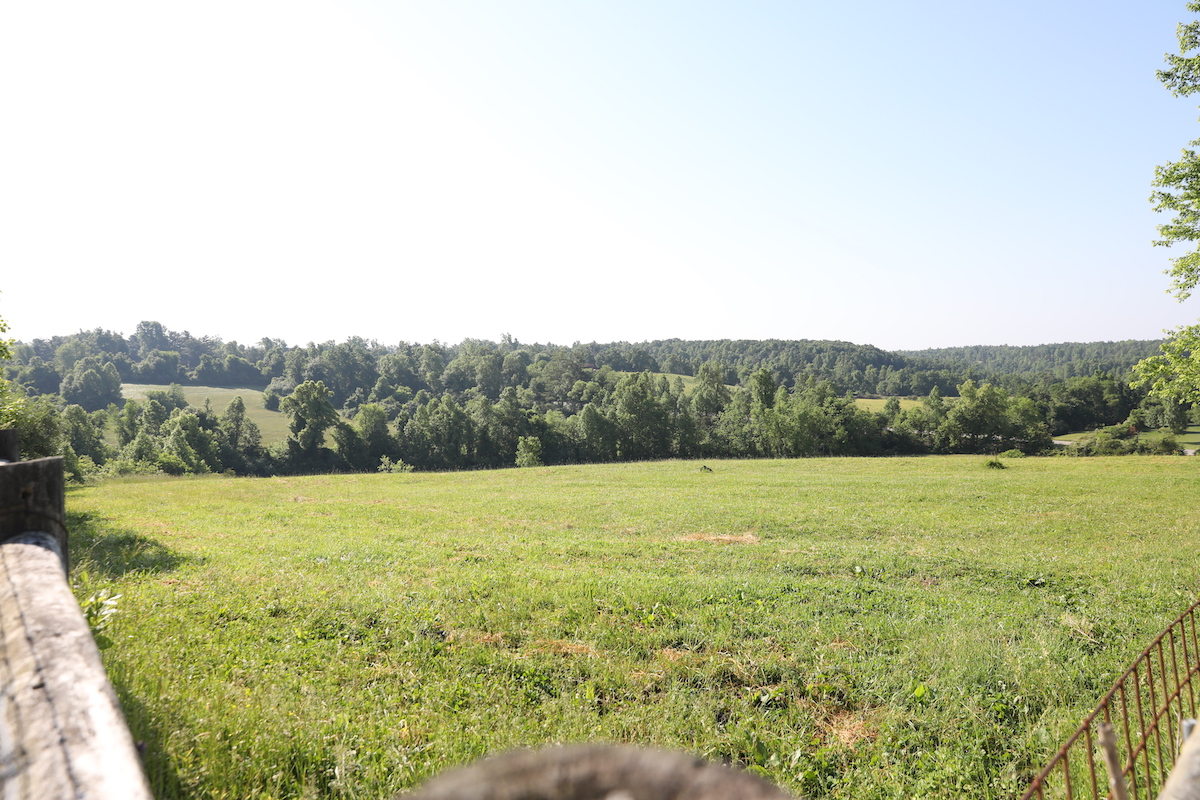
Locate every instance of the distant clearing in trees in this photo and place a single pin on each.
(274, 426)
(876, 404)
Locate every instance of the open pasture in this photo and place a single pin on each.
(877, 404)
(274, 425)
(1189, 439)
(846, 627)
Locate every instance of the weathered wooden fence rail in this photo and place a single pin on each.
(62, 734)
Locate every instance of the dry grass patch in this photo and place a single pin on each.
(563, 648)
(848, 728)
(738, 538)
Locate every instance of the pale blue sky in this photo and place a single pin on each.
(906, 175)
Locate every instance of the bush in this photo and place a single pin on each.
(1012, 454)
(1166, 446)
(1102, 443)
(172, 464)
(128, 466)
(529, 451)
(387, 465)
(994, 463)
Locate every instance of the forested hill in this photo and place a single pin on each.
(858, 368)
(866, 369)
(87, 367)
(1063, 360)
(489, 404)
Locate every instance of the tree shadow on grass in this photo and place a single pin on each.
(148, 738)
(106, 550)
(101, 548)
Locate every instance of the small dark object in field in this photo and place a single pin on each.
(994, 463)
(705, 468)
(596, 772)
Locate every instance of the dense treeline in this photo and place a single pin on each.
(358, 405)
(1062, 361)
(862, 369)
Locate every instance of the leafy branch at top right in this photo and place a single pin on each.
(1175, 372)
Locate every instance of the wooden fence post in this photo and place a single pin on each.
(1184, 781)
(62, 734)
(9, 451)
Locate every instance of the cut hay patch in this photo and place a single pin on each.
(739, 538)
(848, 728)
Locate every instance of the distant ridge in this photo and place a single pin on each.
(1061, 359)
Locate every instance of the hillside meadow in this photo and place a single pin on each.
(850, 628)
(272, 424)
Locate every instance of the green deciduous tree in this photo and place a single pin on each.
(351, 448)
(1176, 371)
(372, 424)
(39, 428)
(85, 432)
(978, 422)
(240, 438)
(187, 441)
(160, 366)
(643, 424)
(38, 377)
(9, 401)
(529, 452)
(312, 414)
(92, 383)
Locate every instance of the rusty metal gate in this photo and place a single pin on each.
(1146, 707)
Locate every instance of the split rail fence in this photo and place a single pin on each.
(1146, 708)
(62, 734)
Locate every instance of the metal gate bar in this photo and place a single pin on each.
(1145, 706)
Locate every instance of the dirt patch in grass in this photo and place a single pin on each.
(738, 538)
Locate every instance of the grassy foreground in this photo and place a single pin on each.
(861, 628)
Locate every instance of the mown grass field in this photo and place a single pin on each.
(876, 404)
(862, 628)
(1190, 439)
(274, 425)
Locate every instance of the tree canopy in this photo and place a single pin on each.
(1175, 372)
(9, 402)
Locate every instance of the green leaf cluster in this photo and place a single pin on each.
(1174, 371)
